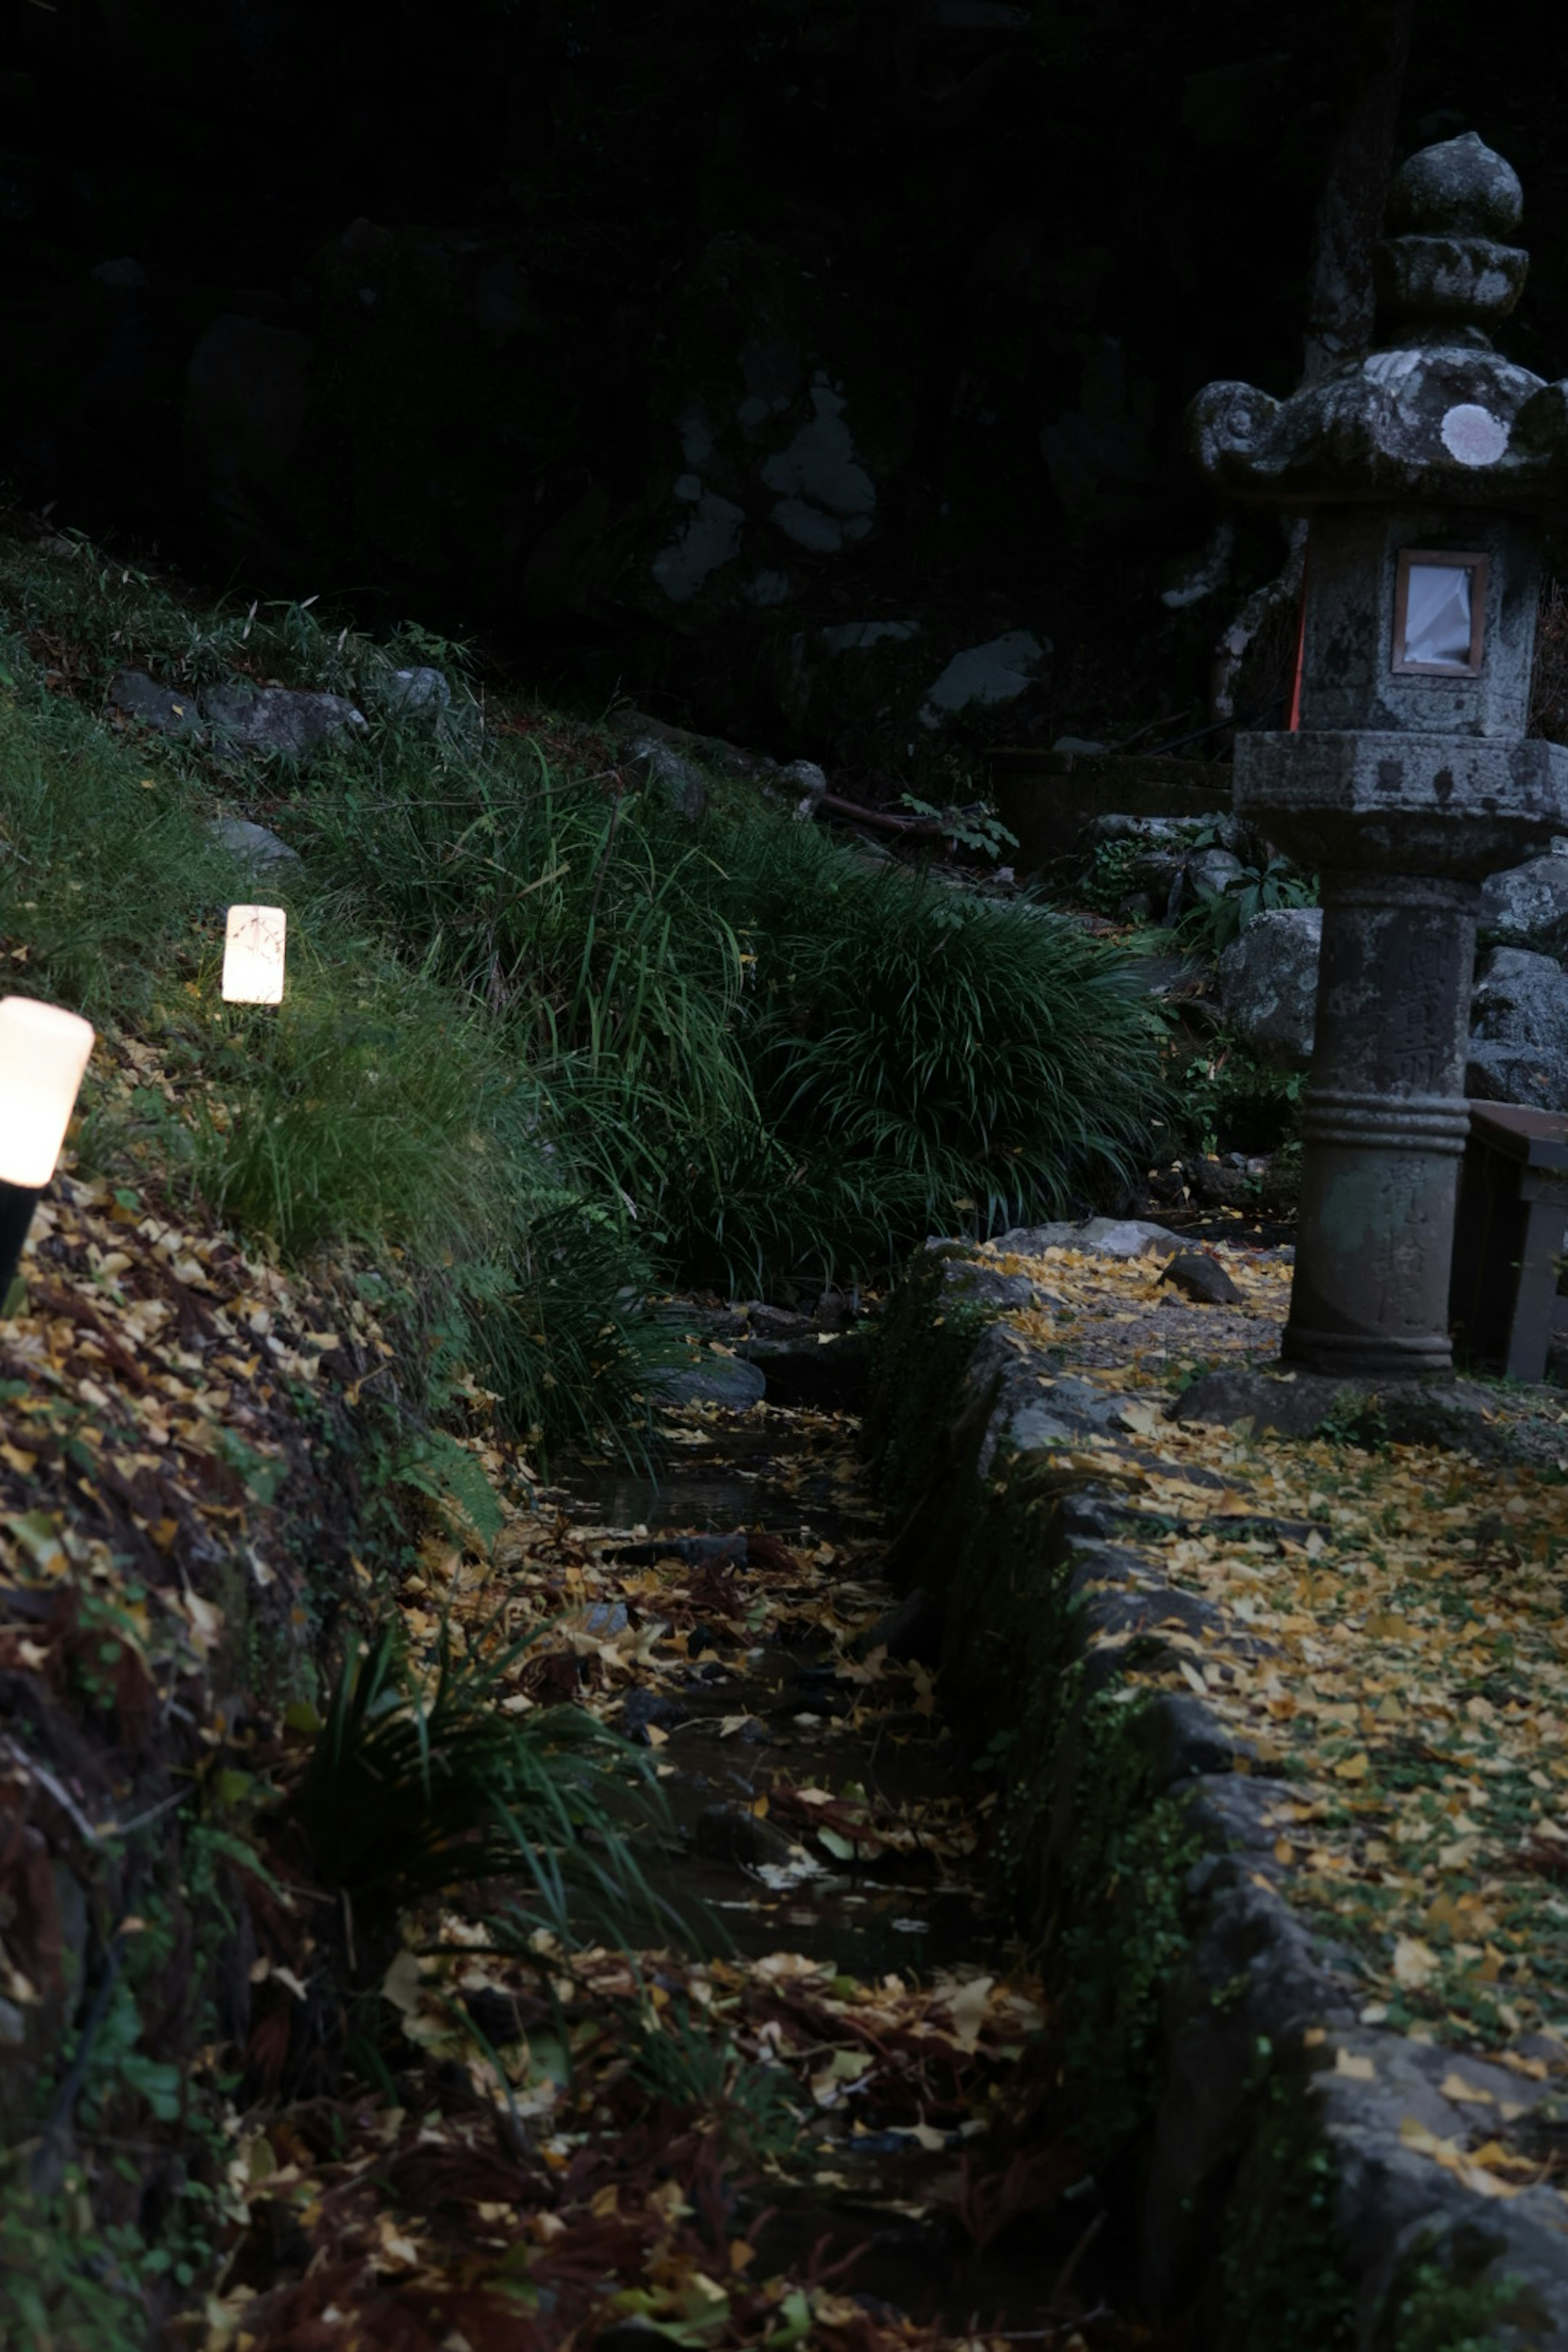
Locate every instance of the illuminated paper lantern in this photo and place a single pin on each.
(253, 955)
(43, 1053)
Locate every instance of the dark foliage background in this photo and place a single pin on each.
(416, 304)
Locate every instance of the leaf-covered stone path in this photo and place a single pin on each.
(827, 2119)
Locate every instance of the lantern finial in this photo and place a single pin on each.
(1446, 267)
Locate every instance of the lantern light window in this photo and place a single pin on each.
(1439, 613)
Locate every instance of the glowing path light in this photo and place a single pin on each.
(253, 955)
(43, 1053)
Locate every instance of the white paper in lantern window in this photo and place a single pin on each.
(253, 955)
(43, 1053)
(1438, 615)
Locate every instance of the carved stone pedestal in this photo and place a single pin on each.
(1384, 1127)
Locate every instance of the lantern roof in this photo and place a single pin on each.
(1432, 416)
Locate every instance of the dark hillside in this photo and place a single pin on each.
(656, 340)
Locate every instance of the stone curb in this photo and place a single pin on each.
(1266, 2095)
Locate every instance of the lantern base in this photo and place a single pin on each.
(1367, 1356)
(18, 1202)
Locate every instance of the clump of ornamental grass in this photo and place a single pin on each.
(581, 918)
(923, 1057)
(106, 875)
(777, 1053)
(412, 1793)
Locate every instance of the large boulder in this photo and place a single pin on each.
(998, 671)
(677, 779)
(291, 721)
(251, 846)
(421, 693)
(1518, 1031)
(1527, 906)
(167, 710)
(1269, 984)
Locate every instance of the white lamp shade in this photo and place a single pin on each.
(43, 1053)
(253, 955)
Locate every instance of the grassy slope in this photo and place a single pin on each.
(520, 986)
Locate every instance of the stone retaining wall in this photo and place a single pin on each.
(1266, 2146)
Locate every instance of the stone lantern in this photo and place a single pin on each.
(1426, 470)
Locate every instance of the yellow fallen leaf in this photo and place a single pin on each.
(1492, 2154)
(1453, 2160)
(393, 2247)
(1471, 2094)
(1360, 2070)
(400, 1985)
(1519, 2064)
(1352, 1768)
(206, 1622)
(967, 2010)
(848, 2065)
(1143, 1420)
(1414, 1963)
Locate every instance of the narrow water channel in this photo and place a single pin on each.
(962, 2217)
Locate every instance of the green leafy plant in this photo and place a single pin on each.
(66, 2285)
(1441, 2312)
(1228, 1100)
(981, 830)
(1108, 878)
(1222, 915)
